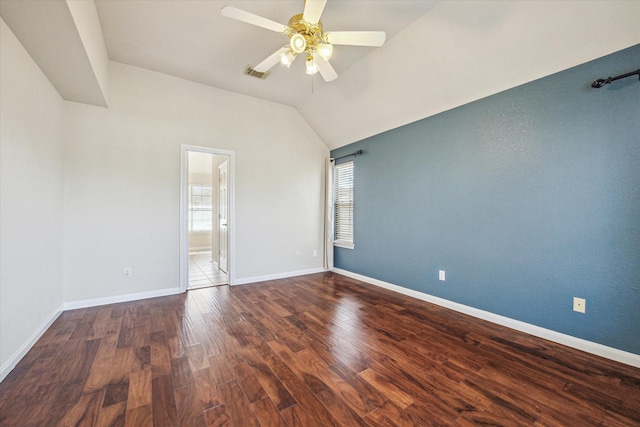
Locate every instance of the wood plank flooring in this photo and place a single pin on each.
(319, 350)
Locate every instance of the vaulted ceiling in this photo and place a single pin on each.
(438, 54)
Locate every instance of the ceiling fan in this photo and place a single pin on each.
(306, 37)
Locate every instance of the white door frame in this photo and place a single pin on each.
(184, 211)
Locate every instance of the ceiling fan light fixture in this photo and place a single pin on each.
(287, 58)
(306, 36)
(325, 50)
(298, 43)
(312, 67)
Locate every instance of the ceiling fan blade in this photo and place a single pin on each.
(357, 38)
(250, 18)
(325, 68)
(312, 10)
(271, 61)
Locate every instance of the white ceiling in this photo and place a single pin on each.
(438, 54)
(55, 34)
(192, 40)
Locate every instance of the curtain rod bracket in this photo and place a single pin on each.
(601, 82)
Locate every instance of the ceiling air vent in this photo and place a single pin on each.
(251, 72)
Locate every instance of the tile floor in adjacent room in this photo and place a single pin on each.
(204, 272)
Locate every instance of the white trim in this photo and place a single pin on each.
(621, 356)
(343, 244)
(24, 348)
(264, 278)
(327, 246)
(22, 351)
(184, 207)
(119, 298)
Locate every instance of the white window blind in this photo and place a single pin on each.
(344, 205)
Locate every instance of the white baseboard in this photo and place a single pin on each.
(119, 298)
(560, 338)
(256, 279)
(20, 353)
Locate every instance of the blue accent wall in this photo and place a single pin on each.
(526, 198)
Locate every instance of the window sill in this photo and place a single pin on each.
(346, 245)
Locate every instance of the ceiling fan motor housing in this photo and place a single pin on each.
(312, 33)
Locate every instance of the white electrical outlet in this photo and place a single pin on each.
(296, 254)
(579, 305)
(315, 253)
(127, 272)
(441, 275)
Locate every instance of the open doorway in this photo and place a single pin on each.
(206, 220)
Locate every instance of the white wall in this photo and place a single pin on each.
(31, 185)
(122, 183)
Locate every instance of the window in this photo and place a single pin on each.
(200, 208)
(343, 205)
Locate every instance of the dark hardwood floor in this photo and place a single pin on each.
(318, 350)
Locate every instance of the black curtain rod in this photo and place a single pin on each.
(601, 82)
(349, 155)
